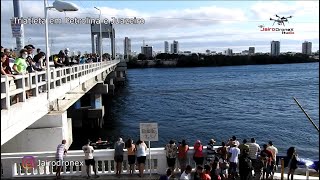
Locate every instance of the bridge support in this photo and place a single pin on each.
(43, 135)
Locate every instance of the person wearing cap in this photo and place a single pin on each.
(171, 154)
(118, 155)
(211, 151)
(198, 155)
(234, 153)
(88, 158)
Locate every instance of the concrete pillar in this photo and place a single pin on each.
(77, 104)
(92, 43)
(96, 100)
(43, 135)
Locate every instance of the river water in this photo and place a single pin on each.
(218, 102)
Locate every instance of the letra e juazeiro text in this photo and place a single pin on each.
(75, 20)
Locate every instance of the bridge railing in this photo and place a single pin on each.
(22, 87)
(13, 165)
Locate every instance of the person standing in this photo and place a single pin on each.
(131, 148)
(182, 155)
(234, 154)
(20, 64)
(88, 159)
(274, 152)
(171, 154)
(118, 155)
(198, 155)
(60, 152)
(245, 166)
(211, 152)
(141, 156)
(254, 150)
(244, 146)
(292, 158)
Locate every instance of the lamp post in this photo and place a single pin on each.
(100, 40)
(61, 7)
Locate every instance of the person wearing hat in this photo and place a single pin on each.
(198, 155)
(234, 153)
(118, 155)
(211, 151)
(88, 158)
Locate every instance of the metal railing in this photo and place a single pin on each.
(22, 87)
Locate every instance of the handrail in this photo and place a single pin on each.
(19, 89)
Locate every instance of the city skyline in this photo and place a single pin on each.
(197, 26)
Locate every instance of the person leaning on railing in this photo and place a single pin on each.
(20, 64)
(4, 67)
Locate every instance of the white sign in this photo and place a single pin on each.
(149, 131)
(16, 29)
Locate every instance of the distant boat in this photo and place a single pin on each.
(102, 145)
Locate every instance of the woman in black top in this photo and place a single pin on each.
(292, 158)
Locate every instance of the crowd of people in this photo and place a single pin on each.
(232, 160)
(27, 61)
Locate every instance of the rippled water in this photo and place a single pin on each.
(218, 102)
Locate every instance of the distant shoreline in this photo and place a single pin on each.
(219, 60)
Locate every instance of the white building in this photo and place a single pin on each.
(275, 48)
(175, 47)
(166, 47)
(307, 48)
(127, 47)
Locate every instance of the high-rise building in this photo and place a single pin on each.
(228, 52)
(147, 50)
(251, 50)
(307, 48)
(275, 48)
(166, 47)
(175, 47)
(127, 47)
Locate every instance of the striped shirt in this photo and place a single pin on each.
(254, 148)
(60, 151)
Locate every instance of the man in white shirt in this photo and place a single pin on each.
(274, 152)
(88, 158)
(233, 154)
(187, 173)
(254, 149)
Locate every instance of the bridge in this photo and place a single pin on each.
(30, 113)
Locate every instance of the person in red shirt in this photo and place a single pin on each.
(206, 173)
(198, 155)
(183, 149)
(267, 167)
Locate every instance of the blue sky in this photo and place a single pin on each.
(197, 25)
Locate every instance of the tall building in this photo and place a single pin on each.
(147, 50)
(175, 47)
(251, 50)
(275, 48)
(307, 48)
(127, 47)
(166, 47)
(228, 52)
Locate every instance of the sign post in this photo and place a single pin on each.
(149, 132)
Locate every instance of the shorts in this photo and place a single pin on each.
(131, 159)
(118, 158)
(233, 168)
(141, 159)
(89, 162)
(198, 160)
(171, 162)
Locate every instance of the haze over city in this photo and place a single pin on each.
(196, 25)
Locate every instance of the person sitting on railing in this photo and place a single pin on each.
(20, 64)
(4, 68)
